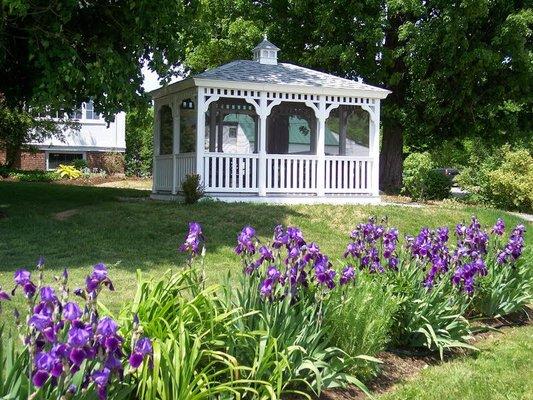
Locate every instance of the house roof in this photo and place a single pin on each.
(282, 74)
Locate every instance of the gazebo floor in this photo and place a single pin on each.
(278, 198)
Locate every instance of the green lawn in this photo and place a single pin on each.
(502, 370)
(125, 230)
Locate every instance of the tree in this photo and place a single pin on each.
(57, 54)
(139, 142)
(455, 68)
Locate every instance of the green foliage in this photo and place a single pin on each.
(80, 164)
(139, 142)
(506, 289)
(361, 321)
(191, 333)
(292, 350)
(438, 185)
(192, 188)
(500, 177)
(32, 176)
(426, 318)
(421, 181)
(14, 368)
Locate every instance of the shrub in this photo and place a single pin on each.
(35, 176)
(80, 164)
(415, 169)
(438, 185)
(192, 188)
(421, 181)
(502, 178)
(139, 142)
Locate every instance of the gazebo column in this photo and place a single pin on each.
(320, 145)
(175, 143)
(157, 122)
(374, 147)
(200, 132)
(261, 170)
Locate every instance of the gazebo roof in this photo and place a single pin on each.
(275, 76)
(281, 74)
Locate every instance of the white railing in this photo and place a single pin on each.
(348, 174)
(184, 163)
(291, 173)
(239, 173)
(163, 172)
(230, 172)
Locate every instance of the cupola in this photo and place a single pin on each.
(266, 52)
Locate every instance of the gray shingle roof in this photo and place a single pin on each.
(281, 74)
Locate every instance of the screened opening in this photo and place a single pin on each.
(165, 130)
(231, 127)
(55, 159)
(187, 126)
(347, 132)
(291, 129)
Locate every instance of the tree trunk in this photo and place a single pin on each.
(391, 158)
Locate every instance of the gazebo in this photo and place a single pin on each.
(264, 131)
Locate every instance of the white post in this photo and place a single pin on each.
(200, 132)
(320, 146)
(374, 148)
(175, 143)
(156, 146)
(261, 171)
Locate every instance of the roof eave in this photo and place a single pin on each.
(172, 88)
(376, 93)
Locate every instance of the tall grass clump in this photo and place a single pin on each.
(362, 320)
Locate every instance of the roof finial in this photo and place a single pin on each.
(265, 36)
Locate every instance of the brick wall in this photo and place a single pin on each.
(112, 163)
(31, 161)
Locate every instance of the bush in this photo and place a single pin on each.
(438, 185)
(35, 176)
(80, 164)
(192, 189)
(139, 142)
(421, 181)
(501, 178)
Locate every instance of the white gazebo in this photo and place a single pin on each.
(259, 130)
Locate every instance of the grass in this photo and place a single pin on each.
(502, 370)
(125, 230)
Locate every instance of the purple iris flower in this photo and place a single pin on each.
(107, 327)
(193, 240)
(22, 276)
(48, 295)
(245, 241)
(499, 227)
(78, 336)
(4, 296)
(267, 287)
(143, 348)
(347, 275)
(71, 311)
(40, 321)
(40, 377)
(77, 356)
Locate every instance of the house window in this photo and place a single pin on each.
(54, 159)
(232, 132)
(89, 111)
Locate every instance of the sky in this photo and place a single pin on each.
(151, 79)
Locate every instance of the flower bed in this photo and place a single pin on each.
(294, 322)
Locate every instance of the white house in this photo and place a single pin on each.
(101, 144)
(259, 130)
